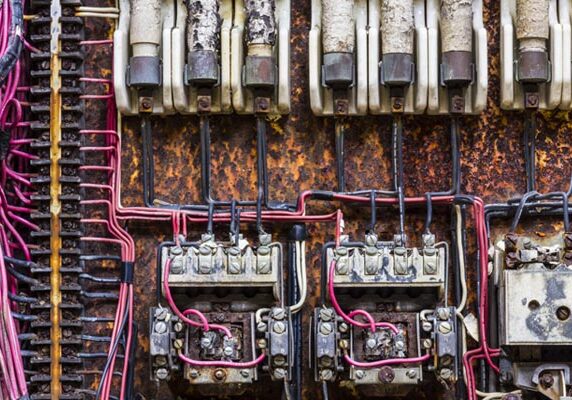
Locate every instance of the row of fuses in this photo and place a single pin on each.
(368, 94)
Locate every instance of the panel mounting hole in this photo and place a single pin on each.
(533, 305)
(563, 313)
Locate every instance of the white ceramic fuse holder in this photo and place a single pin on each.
(243, 97)
(512, 94)
(127, 97)
(185, 95)
(565, 15)
(475, 94)
(416, 93)
(321, 97)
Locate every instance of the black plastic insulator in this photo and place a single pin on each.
(127, 272)
(533, 67)
(397, 69)
(457, 68)
(144, 72)
(298, 233)
(338, 71)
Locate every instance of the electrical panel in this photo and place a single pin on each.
(289, 199)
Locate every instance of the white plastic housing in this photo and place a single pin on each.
(242, 98)
(565, 15)
(511, 91)
(321, 98)
(185, 97)
(416, 94)
(127, 98)
(476, 93)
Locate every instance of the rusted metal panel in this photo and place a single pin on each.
(301, 156)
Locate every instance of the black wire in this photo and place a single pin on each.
(519, 210)
(339, 127)
(260, 198)
(15, 42)
(530, 150)
(373, 208)
(205, 136)
(429, 216)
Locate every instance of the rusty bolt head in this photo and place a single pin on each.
(510, 241)
(531, 100)
(546, 380)
(204, 103)
(146, 104)
(397, 104)
(219, 375)
(568, 240)
(386, 374)
(341, 107)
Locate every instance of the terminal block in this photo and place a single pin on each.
(535, 281)
(393, 266)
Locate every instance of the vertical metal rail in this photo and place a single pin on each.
(55, 191)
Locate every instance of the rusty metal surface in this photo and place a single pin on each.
(301, 156)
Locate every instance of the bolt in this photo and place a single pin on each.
(546, 380)
(160, 361)
(446, 373)
(245, 373)
(161, 313)
(342, 267)
(279, 373)
(344, 344)
(532, 100)
(146, 103)
(219, 375)
(443, 314)
(194, 374)
(162, 374)
(178, 326)
(278, 313)
(261, 343)
(178, 344)
(343, 327)
(160, 327)
(445, 328)
(386, 374)
(326, 374)
(326, 328)
(411, 374)
(427, 343)
(261, 327)
(360, 374)
(279, 327)
(228, 351)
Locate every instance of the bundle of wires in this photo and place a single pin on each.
(15, 203)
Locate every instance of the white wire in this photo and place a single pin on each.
(301, 277)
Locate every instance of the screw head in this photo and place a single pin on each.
(178, 344)
(446, 373)
(360, 374)
(261, 327)
(427, 343)
(546, 380)
(161, 373)
(160, 327)
(411, 374)
(371, 343)
(443, 314)
(278, 313)
(279, 327)
(219, 374)
(228, 351)
(445, 328)
(343, 327)
(386, 374)
(326, 374)
(244, 373)
(178, 326)
(279, 373)
(205, 342)
(326, 328)
(194, 374)
(427, 326)
(326, 314)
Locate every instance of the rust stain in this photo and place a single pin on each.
(301, 156)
